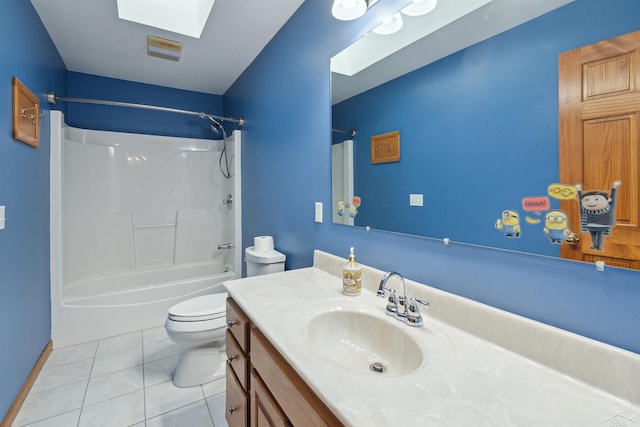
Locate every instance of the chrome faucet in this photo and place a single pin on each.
(397, 306)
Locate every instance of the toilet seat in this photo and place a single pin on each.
(198, 309)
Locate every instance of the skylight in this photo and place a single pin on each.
(186, 17)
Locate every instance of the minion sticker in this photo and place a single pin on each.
(598, 213)
(353, 207)
(509, 224)
(341, 207)
(556, 226)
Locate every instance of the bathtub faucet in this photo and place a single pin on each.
(225, 246)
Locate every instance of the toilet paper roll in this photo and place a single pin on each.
(263, 243)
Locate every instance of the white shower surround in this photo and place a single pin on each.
(135, 225)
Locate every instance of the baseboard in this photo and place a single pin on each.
(24, 391)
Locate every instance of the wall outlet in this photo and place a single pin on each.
(318, 211)
(416, 200)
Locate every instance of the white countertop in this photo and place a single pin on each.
(463, 380)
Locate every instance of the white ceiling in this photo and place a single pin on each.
(91, 39)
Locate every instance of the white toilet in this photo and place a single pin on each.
(198, 326)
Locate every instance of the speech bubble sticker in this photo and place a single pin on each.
(535, 204)
(562, 191)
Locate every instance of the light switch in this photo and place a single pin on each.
(1, 217)
(318, 211)
(416, 200)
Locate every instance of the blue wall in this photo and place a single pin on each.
(133, 120)
(285, 97)
(26, 52)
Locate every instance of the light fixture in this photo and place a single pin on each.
(163, 48)
(419, 7)
(186, 17)
(347, 10)
(390, 25)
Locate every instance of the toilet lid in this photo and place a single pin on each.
(200, 308)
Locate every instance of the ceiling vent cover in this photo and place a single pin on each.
(163, 48)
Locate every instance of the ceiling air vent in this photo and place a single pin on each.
(163, 48)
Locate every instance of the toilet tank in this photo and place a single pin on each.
(259, 263)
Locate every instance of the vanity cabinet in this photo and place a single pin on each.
(274, 394)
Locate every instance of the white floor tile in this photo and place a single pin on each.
(217, 408)
(215, 387)
(64, 420)
(118, 361)
(166, 397)
(40, 406)
(74, 353)
(159, 350)
(159, 371)
(154, 334)
(109, 378)
(194, 415)
(118, 412)
(62, 375)
(118, 343)
(114, 385)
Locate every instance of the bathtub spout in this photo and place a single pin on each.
(225, 246)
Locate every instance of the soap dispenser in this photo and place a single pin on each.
(351, 276)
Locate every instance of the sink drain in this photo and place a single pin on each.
(377, 367)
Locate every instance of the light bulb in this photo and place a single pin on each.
(390, 25)
(419, 7)
(347, 10)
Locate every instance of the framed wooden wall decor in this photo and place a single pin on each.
(385, 148)
(26, 114)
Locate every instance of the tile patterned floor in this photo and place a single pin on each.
(120, 381)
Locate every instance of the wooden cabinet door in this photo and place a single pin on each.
(265, 412)
(599, 101)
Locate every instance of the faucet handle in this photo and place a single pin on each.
(392, 302)
(414, 318)
(421, 301)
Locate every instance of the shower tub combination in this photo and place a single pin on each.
(136, 225)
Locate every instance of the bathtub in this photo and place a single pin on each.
(136, 223)
(112, 309)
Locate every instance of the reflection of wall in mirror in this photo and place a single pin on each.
(479, 130)
(341, 181)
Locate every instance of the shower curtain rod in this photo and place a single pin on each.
(351, 132)
(52, 98)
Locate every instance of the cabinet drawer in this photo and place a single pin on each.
(238, 324)
(297, 400)
(236, 407)
(237, 360)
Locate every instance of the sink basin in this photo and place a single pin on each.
(364, 342)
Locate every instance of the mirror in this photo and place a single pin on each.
(475, 102)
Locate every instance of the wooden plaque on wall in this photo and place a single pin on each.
(385, 148)
(26, 114)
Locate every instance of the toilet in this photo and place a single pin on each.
(198, 326)
(263, 262)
